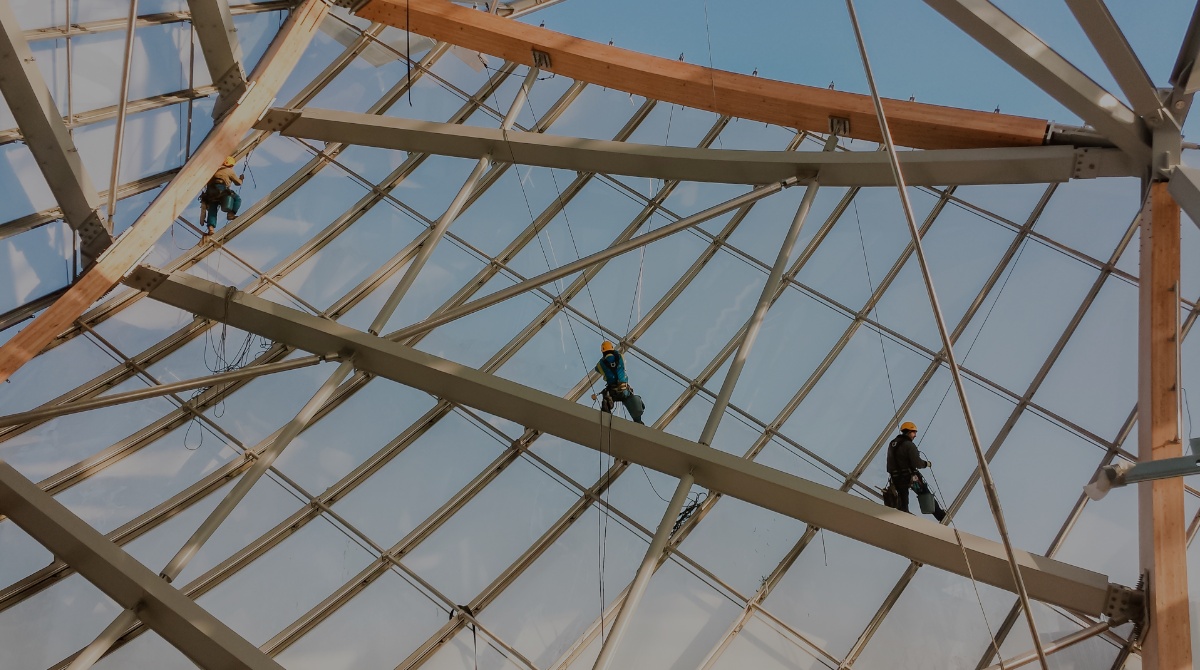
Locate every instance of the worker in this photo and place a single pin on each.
(219, 195)
(612, 366)
(904, 463)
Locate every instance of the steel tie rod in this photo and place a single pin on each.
(989, 485)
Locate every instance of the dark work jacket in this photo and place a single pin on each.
(903, 456)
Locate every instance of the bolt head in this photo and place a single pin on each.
(1179, 104)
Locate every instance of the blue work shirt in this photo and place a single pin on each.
(612, 366)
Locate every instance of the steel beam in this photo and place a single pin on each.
(46, 134)
(222, 51)
(1185, 77)
(840, 512)
(249, 372)
(1013, 165)
(1027, 54)
(1184, 187)
(1106, 36)
(200, 636)
(145, 20)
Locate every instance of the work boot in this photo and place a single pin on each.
(939, 514)
(230, 216)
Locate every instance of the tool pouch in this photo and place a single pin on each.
(891, 497)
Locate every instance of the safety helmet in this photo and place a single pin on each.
(230, 161)
(908, 425)
(606, 346)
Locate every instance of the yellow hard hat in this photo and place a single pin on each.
(230, 161)
(908, 425)
(606, 346)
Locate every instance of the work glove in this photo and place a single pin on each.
(929, 464)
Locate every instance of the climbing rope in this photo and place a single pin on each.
(970, 572)
(875, 308)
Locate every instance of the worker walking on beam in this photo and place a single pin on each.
(219, 195)
(904, 463)
(617, 388)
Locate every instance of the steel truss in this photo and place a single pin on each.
(1023, 232)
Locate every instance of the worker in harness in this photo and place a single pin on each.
(617, 388)
(903, 464)
(219, 195)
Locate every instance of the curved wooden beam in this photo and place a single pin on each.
(272, 70)
(913, 124)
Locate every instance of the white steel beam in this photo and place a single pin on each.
(843, 513)
(46, 134)
(222, 52)
(945, 167)
(1030, 56)
(1185, 188)
(1106, 36)
(199, 635)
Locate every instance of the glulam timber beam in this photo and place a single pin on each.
(946, 167)
(897, 532)
(125, 254)
(809, 108)
(200, 636)
(1162, 521)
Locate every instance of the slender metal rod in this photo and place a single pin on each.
(451, 213)
(989, 485)
(427, 247)
(588, 261)
(156, 391)
(645, 570)
(522, 94)
(103, 642)
(760, 312)
(121, 108)
(1057, 645)
(226, 506)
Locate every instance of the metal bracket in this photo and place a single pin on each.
(1123, 604)
(541, 60)
(352, 5)
(839, 126)
(233, 80)
(277, 120)
(1087, 163)
(145, 278)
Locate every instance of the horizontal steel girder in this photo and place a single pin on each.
(199, 635)
(946, 167)
(897, 532)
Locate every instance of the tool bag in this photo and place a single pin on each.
(924, 496)
(891, 497)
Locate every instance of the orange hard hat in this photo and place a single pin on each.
(230, 161)
(908, 425)
(606, 346)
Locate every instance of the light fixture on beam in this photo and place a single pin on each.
(1121, 474)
